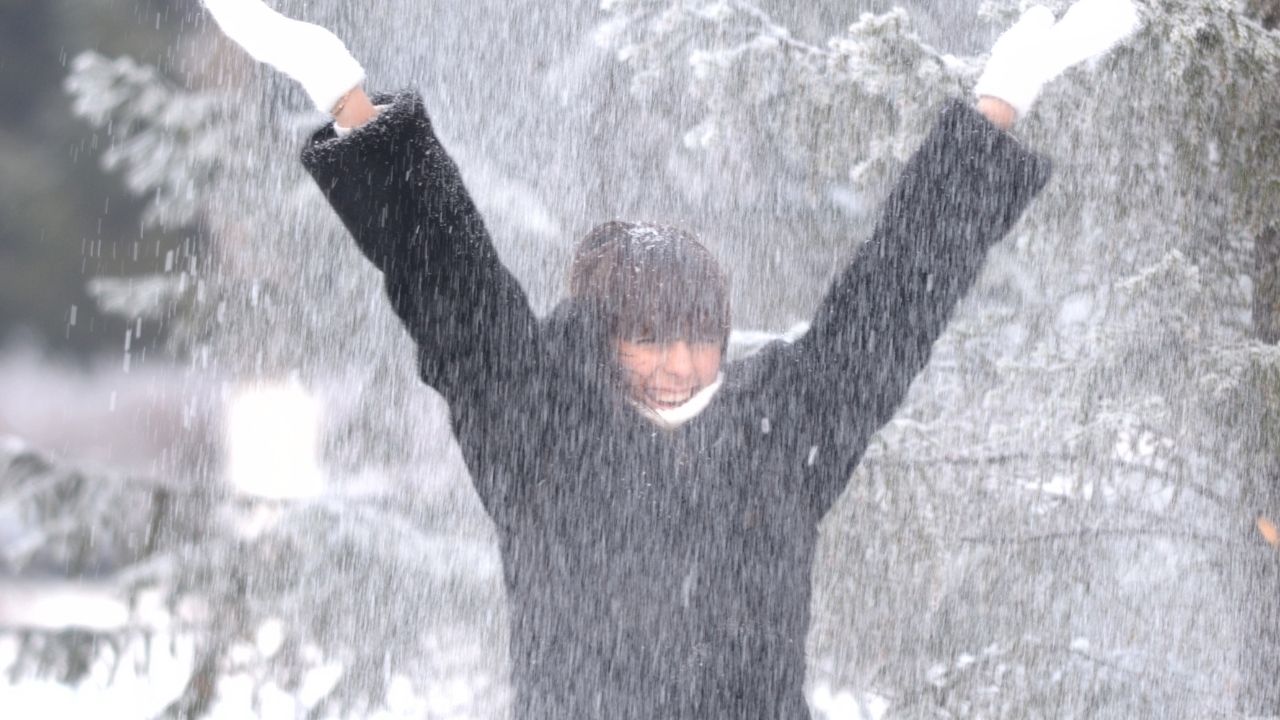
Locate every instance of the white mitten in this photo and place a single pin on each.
(308, 53)
(1036, 49)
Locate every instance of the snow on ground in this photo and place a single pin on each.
(140, 696)
(133, 688)
(140, 685)
(829, 703)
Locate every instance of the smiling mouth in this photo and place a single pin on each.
(669, 400)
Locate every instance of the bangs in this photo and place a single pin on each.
(663, 302)
(655, 283)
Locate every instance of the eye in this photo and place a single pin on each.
(644, 336)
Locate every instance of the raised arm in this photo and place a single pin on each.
(959, 194)
(874, 331)
(401, 196)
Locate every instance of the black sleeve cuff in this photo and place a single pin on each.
(991, 158)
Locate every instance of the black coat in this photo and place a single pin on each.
(654, 573)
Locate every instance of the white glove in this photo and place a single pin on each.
(1036, 49)
(308, 53)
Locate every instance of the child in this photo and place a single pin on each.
(658, 511)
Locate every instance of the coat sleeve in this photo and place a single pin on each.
(874, 331)
(403, 201)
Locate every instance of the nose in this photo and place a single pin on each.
(677, 361)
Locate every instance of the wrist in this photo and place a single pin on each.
(354, 109)
(997, 111)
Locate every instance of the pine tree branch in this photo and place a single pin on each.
(18, 493)
(785, 38)
(1099, 534)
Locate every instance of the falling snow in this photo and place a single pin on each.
(1067, 516)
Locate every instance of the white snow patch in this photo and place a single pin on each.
(273, 439)
(61, 606)
(1076, 309)
(139, 685)
(1064, 486)
(701, 136)
(318, 683)
(847, 705)
(270, 637)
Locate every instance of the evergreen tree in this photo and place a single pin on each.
(1072, 485)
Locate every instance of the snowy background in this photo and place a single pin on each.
(222, 493)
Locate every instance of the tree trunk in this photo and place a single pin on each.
(1266, 12)
(1261, 647)
(1266, 286)
(1260, 586)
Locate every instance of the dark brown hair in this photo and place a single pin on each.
(652, 282)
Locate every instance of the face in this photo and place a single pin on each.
(664, 375)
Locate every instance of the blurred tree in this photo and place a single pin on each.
(375, 574)
(62, 218)
(1266, 291)
(1266, 11)
(1261, 637)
